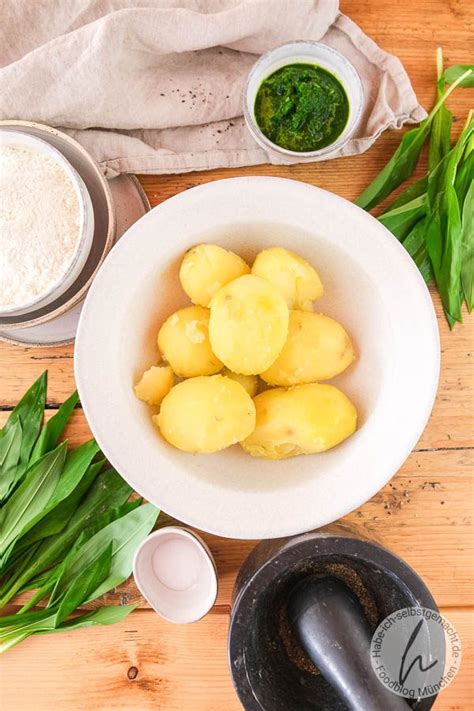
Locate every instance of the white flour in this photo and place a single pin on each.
(39, 224)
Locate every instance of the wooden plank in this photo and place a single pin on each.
(184, 668)
(147, 663)
(424, 515)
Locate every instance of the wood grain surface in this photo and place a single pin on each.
(424, 514)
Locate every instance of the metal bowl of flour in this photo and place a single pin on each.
(76, 199)
(103, 218)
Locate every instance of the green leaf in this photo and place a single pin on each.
(56, 520)
(13, 620)
(440, 138)
(29, 501)
(415, 245)
(444, 229)
(43, 622)
(404, 160)
(84, 559)
(127, 533)
(105, 615)
(20, 568)
(85, 583)
(108, 492)
(30, 412)
(400, 166)
(464, 177)
(15, 632)
(76, 465)
(10, 446)
(400, 220)
(419, 187)
(75, 468)
(453, 73)
(51, 577)
(467, 241)
(53, 429)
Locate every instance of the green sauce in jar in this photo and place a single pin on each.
(301, 107)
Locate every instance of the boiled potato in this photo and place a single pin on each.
(206, 414)
(154, 384)
(303, 419)
(207, 268)
(183, 340)
(248, 324)
(297, 280)
(317, 348)
(249, 382)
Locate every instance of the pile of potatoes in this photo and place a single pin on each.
(248, 329)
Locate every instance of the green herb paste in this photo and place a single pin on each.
(302, 107)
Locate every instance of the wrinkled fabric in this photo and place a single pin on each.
(156, 86)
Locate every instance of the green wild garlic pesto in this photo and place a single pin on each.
(301, 107)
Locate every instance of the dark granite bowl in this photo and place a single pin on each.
(269, 671)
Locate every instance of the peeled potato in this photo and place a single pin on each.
(154, 384)
(248, 324)
(292, 275)
(206, 414)
(301, 420)
(207, 268)
(317, 348)
(183, 340)
(249, 382)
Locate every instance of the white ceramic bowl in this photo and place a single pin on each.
(86, 221)
(306, 53)
(371, 285)
(175, 571)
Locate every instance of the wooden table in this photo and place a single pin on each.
(423, 514)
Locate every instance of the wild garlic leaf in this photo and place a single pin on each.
(14, 632)
(84, 560)
(10, 447)
(403, 162)
(400, 220)
(46, 585)
(32, 496)
(444, 229)
(452, 74)
(105, 615)
(127, 533)
(108, 492)
(419, 187)
(467, 240)
(56, 520)
(30, 412)
(53, 429)
(400, 166)
(465, 175)
(85, 583)
(440, 137)
(415, 245)
(75, 466)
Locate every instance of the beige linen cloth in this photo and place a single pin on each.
(156, 86)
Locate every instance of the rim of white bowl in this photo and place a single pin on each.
(261, 526)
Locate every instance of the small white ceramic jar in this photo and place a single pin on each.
(175, 571)
(86, 223)
(304, 53)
